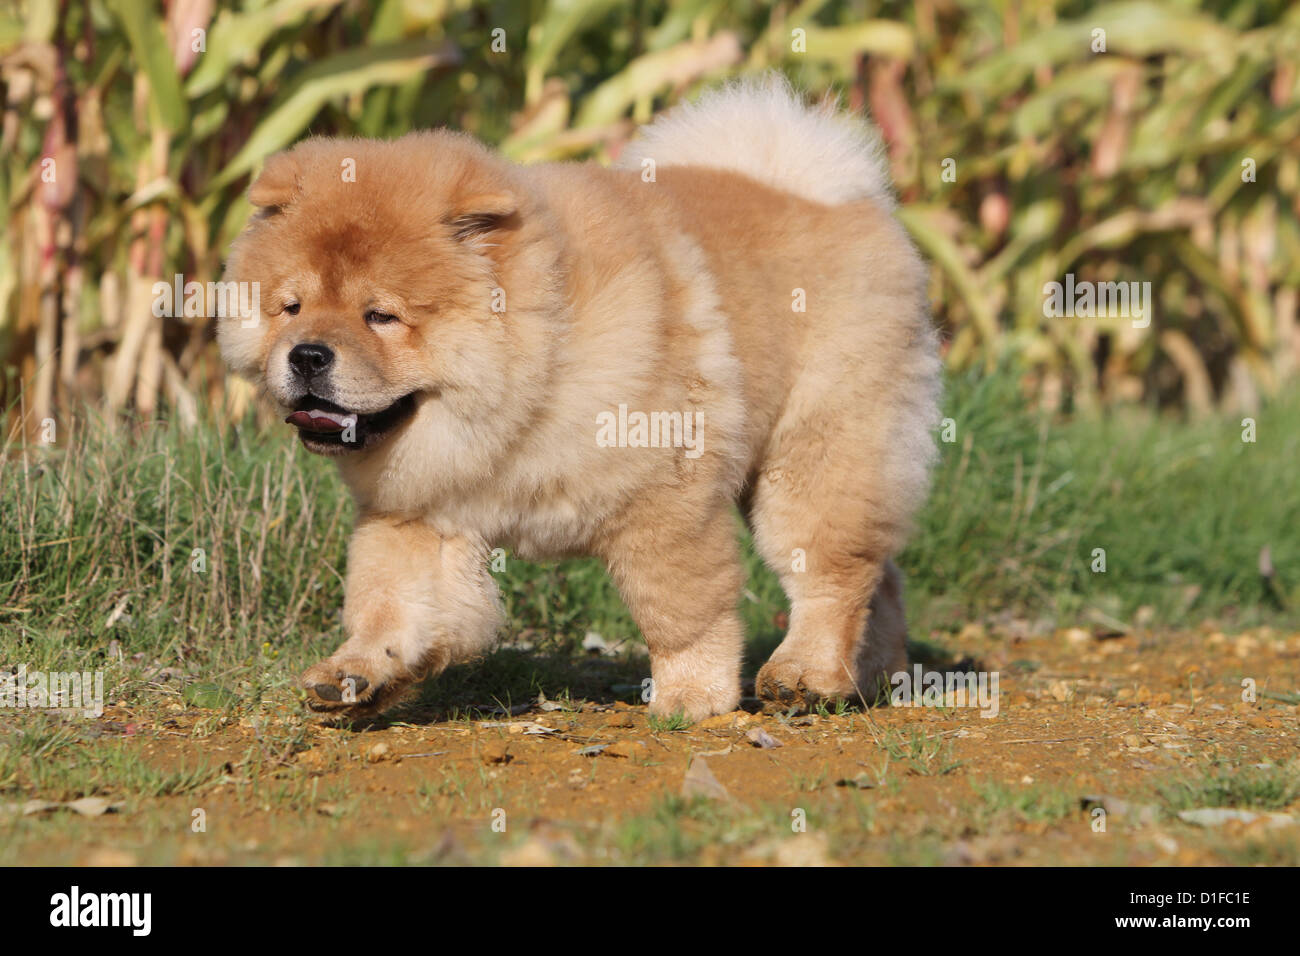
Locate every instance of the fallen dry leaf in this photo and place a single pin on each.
(761, 738)
(700, 782)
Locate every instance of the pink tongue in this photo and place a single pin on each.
(318, 421)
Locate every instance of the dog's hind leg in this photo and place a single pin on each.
(836, 571)
(830, 504)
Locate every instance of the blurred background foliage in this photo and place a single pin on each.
(131, 129)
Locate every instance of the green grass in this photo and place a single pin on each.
(923, 754)
(669, 724)
(42, 757)
(1000, 802)
(220, 551)
(1181, 510)
(677, 829)
(1255, 788)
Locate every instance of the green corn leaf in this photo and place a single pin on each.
(558, 25)
(237, 38)
(149, 47)
(948, 257)
(340, 75)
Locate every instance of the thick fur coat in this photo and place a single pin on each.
(567, 359)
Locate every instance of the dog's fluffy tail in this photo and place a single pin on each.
(763, 129)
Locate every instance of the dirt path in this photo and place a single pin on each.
(1142, 728)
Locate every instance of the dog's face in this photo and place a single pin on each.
(377, 268)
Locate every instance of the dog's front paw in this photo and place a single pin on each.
(784, 684)
(694, 703)
(354, 687)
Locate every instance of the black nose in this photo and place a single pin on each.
(310, 359)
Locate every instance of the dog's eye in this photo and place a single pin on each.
(379, 318)
(292, 308)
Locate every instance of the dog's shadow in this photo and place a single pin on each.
(510, 682)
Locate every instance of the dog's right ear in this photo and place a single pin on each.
(478, 214)
(278, 184)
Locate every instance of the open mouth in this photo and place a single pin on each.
(331, 429)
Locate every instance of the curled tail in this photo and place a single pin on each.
(760, 127)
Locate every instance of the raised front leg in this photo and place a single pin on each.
(415, 601)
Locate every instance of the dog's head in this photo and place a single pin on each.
(380, 273)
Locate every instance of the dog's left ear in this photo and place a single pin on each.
(480, 214)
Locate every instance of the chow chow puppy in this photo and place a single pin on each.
(565, 359)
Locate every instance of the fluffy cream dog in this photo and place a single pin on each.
(566, 360)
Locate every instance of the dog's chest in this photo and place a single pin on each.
(549, 526)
